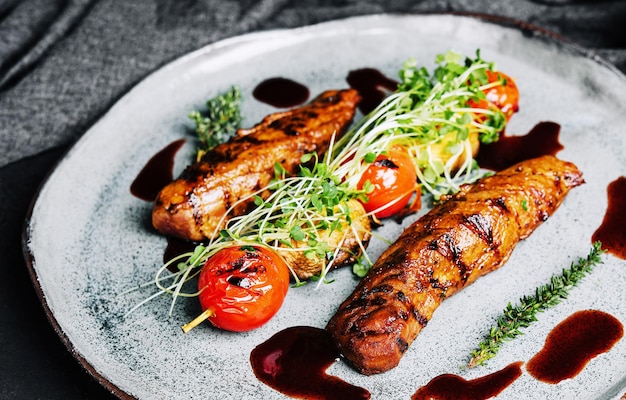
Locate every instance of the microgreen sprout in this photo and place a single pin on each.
(432, 120)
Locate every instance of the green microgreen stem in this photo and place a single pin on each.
(514, 318)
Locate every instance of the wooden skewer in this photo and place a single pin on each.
(198, 320)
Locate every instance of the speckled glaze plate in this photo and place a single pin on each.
(88, 239)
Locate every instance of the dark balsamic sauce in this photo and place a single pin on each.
(371, 85)
(573, 343)
(157, 173)
(453, 387)
(281, 92)
(612, 231)
(294, 362)
(542, 140)
(176, 247)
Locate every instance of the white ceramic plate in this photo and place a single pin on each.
(88, 239)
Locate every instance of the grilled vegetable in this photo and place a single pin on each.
(241, 288)
(500, 92)
(344, 244)
(390, 182)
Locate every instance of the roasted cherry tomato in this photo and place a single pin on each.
(242, 287)
(394, 178)
(504, 96)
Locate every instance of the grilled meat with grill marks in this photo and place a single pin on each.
(193, 206)
(469, 235)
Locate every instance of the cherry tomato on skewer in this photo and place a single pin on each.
(241, 288)
(394, 181)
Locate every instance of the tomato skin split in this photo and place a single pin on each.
(243, 286)
(394, 180)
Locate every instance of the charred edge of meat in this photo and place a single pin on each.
(500, 202)
(447, 247)
(481, 227)
(402, 344)
(573, 179)
(385, 162)
(422, 320)
(331, 99)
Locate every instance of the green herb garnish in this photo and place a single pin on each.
(219, 122)
(522, 315)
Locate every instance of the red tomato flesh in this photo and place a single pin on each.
(394, 179)
(244, 286)
(504, 96)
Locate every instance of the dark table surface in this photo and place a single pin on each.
(63, 63)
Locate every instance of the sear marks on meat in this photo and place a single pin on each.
(193, 207)
(470, 234)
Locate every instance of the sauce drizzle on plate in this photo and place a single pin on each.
(612, 232)
(294, 362)
(371, 85)
(281, 92)
(454, 387)
(573, 343)
(156, 173)
(542, 140)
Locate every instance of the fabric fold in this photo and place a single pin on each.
(29, 28)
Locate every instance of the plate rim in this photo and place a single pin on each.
(225, 43)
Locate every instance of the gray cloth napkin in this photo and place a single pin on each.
(63, 63)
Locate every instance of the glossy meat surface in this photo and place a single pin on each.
(193, 207)
(469, 235)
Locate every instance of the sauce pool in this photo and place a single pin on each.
(542, 140)
(154, 176)
(176, 247)
(612, 231)
(281, 92)
(294, 362)
(371, 85)
(157, 173)
(573, 343)
(453, 387)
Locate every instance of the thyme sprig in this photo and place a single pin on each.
(218, 123)
(514, 318)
